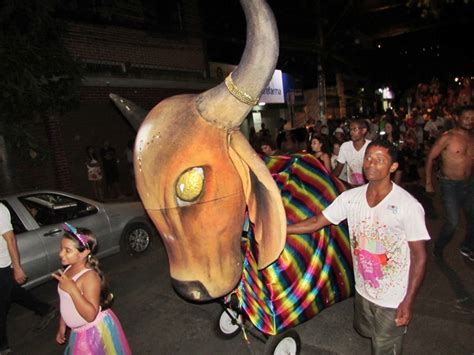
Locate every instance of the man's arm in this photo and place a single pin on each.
(415, 276)
(12, 246)
(309, 225)
(337, 170)
(435, 151)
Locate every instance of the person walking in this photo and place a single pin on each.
(11, 277)
(94, 173)
(319, 147)
(392, 135)
(85, 298)
(336, 146)
(111, 169)
(351, 153)
(387, 234)
(456, 180)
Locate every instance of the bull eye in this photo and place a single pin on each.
(189, 185)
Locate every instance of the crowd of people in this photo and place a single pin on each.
(426, 113)
(387, 229)
(413, 128)
(375, 157)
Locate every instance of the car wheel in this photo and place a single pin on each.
(228, 324)
(136, 239)
(288, 342)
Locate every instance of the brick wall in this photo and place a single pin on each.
(144, 97)
(97, 119)
(66, 138)
(59, 158)
(133, 46)
(111, 43)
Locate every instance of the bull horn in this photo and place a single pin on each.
(133, 113)
(227, 104)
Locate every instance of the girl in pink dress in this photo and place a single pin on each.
(84, 299)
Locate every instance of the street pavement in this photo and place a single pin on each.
(157, 321)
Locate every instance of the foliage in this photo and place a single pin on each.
(432, 8)
(39, 77)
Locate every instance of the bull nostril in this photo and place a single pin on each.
(191, 290)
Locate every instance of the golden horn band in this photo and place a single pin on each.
(239, 94)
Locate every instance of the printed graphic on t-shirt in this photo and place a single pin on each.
(371, 258)
(94, 172)
(377, 257)
(355, 176)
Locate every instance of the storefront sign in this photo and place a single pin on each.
(272, 94)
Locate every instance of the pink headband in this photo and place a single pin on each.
(82, 238)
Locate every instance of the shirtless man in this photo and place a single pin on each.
(456, 180)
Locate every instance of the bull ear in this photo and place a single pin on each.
(263, 198)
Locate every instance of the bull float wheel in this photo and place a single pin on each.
(286, 343)
(228, 324)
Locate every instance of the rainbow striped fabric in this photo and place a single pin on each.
(314, 270)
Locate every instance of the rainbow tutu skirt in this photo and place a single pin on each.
(104, 336)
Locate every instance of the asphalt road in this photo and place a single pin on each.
(157, 321)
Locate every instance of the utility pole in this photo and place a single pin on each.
(321, 78)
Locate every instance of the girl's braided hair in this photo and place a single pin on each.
(83, 239)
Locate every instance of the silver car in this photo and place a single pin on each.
(37, 219)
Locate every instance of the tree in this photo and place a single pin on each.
(40, 80)
(39, 77)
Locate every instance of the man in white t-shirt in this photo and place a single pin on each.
(431, 128)
(11, 277)
(351, 153)
(388, 235)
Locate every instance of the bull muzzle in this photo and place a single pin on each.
(191, 290)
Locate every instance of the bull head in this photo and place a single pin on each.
(197, 174)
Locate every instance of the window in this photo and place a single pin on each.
(49, 209)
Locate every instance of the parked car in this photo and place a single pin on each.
(37, 219)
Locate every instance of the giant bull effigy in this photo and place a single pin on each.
(201, 182)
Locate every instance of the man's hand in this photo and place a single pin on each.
(429, 188)
(416, 273)
(404, 314)
(308, 225)
(19, 275)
